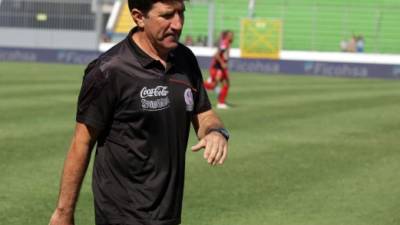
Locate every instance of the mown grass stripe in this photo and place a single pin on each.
(304, 150)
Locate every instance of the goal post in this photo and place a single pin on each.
(260, 38)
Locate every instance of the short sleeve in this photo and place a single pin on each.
(202, 102)
(97, 99)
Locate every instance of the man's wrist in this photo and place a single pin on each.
(224, 132)
(65, 210)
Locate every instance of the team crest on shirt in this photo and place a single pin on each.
(154, 99)
(189, 99)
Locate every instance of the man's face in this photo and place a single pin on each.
(163, 24)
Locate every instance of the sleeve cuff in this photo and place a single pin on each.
(98, 125)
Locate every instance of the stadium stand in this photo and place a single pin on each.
(124, 22)
(72, 31)
(321, 25)
(47, 14)
(309, 25)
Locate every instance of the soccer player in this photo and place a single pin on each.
(219, 74)
(136, 103)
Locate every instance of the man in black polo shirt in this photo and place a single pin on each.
(137, 102)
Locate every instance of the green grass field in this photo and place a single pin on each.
(304, 151)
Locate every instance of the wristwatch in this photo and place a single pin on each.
(222, 131)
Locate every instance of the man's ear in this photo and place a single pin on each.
(138, 17)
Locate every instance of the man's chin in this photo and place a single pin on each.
(170, 45)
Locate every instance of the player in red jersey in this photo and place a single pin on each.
(219, 69)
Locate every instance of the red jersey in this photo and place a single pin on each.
(223, 51)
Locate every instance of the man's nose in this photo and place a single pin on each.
(177, 22)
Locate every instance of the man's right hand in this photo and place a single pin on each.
(75, 166)
(61, 217)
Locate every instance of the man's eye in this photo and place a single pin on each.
(168, 15)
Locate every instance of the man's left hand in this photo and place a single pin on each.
(215, 148)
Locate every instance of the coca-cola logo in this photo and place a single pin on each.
(154, 92)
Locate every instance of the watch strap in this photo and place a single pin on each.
(220, 130)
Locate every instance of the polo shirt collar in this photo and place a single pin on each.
(144, 59)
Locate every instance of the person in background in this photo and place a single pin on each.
(343, 45)
(360, 44)
(189, 40)
(219, 74)
(351, 45)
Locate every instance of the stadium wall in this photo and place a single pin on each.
(283, 66)
(42, 38)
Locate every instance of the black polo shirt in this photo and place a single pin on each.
(143, 113)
